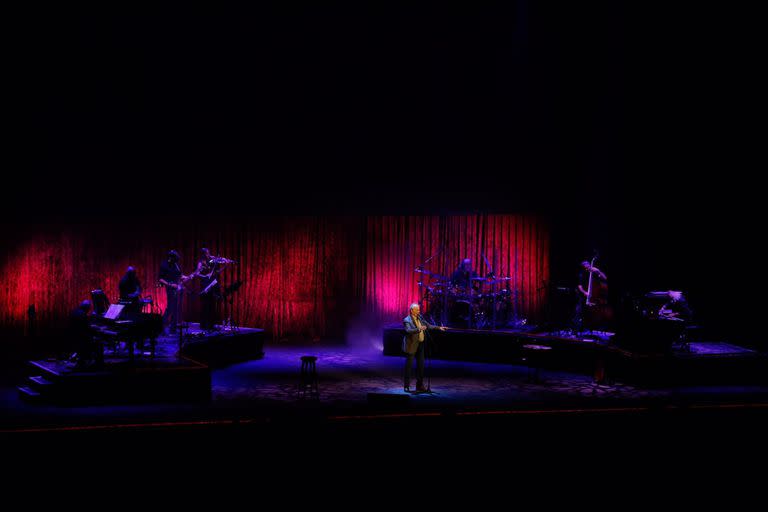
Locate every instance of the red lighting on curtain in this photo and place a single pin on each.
(302, 276)
(514, 246)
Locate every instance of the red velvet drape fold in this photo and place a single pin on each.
(303, 276)
(513, 246)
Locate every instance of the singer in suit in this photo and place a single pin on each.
(413, 345)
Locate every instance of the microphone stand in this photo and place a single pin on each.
(180, 320)
(229, 293)
(492, 275)
(433, 256)
(428, 357)
(181, 292)
(180, 316)
(420, 269)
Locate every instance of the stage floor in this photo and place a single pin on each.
(359, 381)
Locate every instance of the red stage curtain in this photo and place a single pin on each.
(303, 276)
(516, 246)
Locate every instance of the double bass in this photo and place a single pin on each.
(596, 313)
(597, 292)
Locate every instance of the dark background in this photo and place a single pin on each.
(630, 126)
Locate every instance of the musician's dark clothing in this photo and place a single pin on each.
(79, 328)
(171, 273)
(130, 290)
(463, 278)
(82, 340)
(207, 312)
(598, 316)
(599, 287)
(208, 299)
(419, 355)
(681, 307)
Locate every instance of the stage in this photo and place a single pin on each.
(168, 375)
(358, 384)
(598, 355)
(221, 347)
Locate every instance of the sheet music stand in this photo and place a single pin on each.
(229, 294)
(114, 311)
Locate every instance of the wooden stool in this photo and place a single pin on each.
(533, 355)
(308, 380)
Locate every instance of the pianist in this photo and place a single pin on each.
(89, 353)
(676, 308)
(130, 291)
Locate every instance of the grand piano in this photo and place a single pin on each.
(135, 329)
(654, 322)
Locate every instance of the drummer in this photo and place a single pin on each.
(464, 275)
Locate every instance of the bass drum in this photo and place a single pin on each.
(464, 314)
(435, 300)
(459, 313)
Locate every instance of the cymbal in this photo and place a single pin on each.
(491, 280)
(654, 294)
(430, 274)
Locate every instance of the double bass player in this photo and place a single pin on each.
(593, 311)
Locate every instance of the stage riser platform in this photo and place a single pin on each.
(588, 357)
(660, 372)
(166, 377)
(221, 349)
(496, 347)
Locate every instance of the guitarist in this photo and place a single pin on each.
(171, 277)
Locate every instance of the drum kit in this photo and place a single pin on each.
(485, 303)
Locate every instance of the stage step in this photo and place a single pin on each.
(28, 394)
(39, 382)
(45, 368)
(120, 381)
